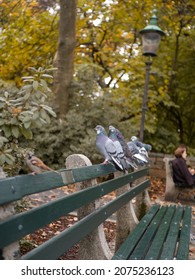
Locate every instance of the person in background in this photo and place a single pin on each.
(181, 174)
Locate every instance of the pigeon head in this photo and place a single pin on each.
(133, 138)
(100, 129)
(112, 128)
(112, 133)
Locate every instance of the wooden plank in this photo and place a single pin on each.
(144, 244)
(184, 241)
(30, 221)
(130, 243)
(15, 188)
(56, 246)
(168, 251)
(94, 171)
(158, 241)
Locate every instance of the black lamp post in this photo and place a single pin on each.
(151, 36)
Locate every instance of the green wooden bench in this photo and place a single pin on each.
(163, 233)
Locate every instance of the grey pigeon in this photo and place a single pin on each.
(112, 135)
(107, 148)
(144, 148)
(126, 149)
(119, 141)
(140, 158)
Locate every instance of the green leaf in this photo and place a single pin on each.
(27, 88)
(36, 115)
(26, 132)
(9, 159)
(44, 85)
(35, 85)
(2, 121)
(15, 131)
(7, 131)
(43, 114)
(43, 121)
(2, 141)
(28, 78)
(33, 69)
(47, 118)
(27, 118)
(2, 159)
(49, 110)
(27, 113)
(14, 121)
(47, 76)
(27, 124)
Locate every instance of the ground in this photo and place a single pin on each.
(156, 192)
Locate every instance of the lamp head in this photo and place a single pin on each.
(151, 36)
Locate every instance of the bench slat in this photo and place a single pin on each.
(15, 188)
(168, 251)
(127, 247)
(183, 247)
(53, 248)
(145, 241)
(157, 244)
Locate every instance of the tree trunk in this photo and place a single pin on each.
(64, 60)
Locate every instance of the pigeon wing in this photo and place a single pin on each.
(112, 152)
(100, 145)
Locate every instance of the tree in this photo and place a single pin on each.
(64, 60)
(178, 74)
(28, 37)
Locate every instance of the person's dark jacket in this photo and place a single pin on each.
(181, 175)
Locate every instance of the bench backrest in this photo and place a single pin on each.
(14, 227)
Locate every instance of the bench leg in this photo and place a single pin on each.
(126, 219)
(94, 246)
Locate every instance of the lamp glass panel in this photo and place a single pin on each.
(151, 41)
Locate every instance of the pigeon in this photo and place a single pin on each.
(121, 147)
(126, 149)
(148, 147)
(139, 157)
(107, 148)
(35, 164)
(144, 148)
(112, 135)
